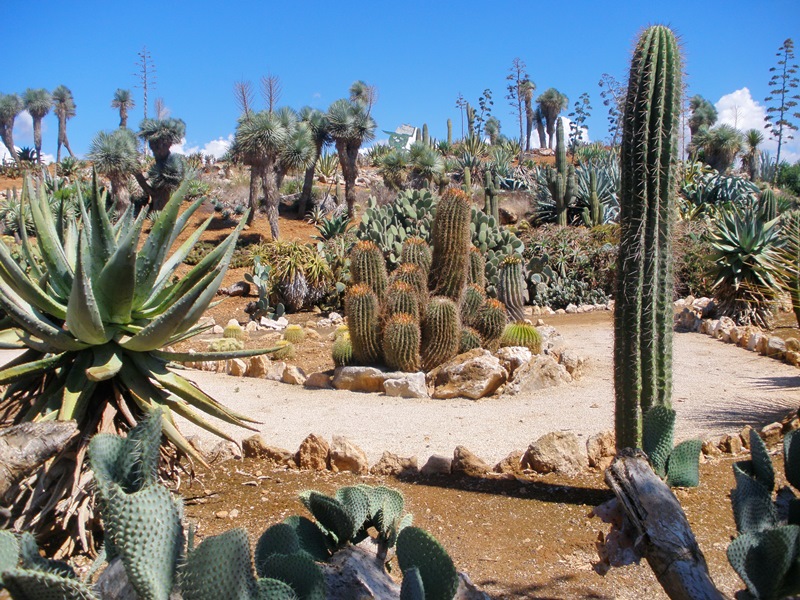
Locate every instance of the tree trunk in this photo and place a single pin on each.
(656, 528)
(122, 196)
(25, 447)
(252, 199)
(123, 118)
(529, 131)
(541, 134)
(8, 142)
(270, 195)
(37, 139)
(308, 185)
(350, 180)
(551, 136)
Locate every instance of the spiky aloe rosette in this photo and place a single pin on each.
(90, 319)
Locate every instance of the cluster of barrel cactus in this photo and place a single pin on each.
(420, 317)
(144, 530)
(766, 554)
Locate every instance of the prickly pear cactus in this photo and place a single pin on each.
(219, 568)
(417, 548)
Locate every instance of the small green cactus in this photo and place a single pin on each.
(294, 334)
(401, 342)
(441, 332)
(491, 322)
(402, 298)
(233, 331)
(342, 351)
(225, 345)
(418, 549)
(285, 350)
(414, 276)
(524, 334)
(679, 465)
(219, 568)
(561, 179)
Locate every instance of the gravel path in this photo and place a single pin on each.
(718, 388)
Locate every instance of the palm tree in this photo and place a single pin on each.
(719, 145)
(350, 126)
(168, 171)
(752, 139)
(10, 107)
(298, 152)
(704, 115)
(115, 156)
(64, 107)
(123, 101)
(551, 102)
(538, 118)
(526, 89)
(492, 129)
(259, 139)
(38, 103)
(317, 123)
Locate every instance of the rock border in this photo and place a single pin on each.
(695, 318)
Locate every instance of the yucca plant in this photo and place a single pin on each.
(91, 323)
(746, 260)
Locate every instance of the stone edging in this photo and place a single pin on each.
(694, 318)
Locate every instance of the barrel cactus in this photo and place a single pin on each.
(451, 243)
(512, 289)
(441, 332)
(361, 306)
(401, 342)
(367, 265)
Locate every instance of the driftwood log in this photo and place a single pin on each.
(26, 446)
(650, 514)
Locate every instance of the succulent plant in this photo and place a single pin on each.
(368, 266)
(414, 276)
(361, 307)
(226, 345)
(680, 465)
(471, 304)
(401, 342)
(233, 331)
(417, 549)
(416, 251)
(524, 334)
(643, 311)
(477, 267)
(491, 322)
(561, 179)
(451, 243)
(441, 332)
(470, 339)
(284, 350)
(92, 336)
(401, 297)
(512, 289)
(294, 334)
(342, 351)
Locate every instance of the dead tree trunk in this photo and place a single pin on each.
(24, 447)
(660, 530)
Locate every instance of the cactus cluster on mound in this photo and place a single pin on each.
(434, 304)
(144, 529)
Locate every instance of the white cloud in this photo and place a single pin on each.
(5, 156)
(23, 129)
(740, 110)
(215, 148)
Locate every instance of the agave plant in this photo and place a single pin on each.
(91, 323)
(746, 256)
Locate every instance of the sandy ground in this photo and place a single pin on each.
(718, 388)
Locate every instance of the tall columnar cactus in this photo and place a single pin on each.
(441, 332)
(768, 205)
(643, 312)
(361, 307)
(470, 120)
(561, 180)
(467, 180)
(449, 131)
(401, 342)
(367, 265)
(451, 243)
(491, 206)
(593, 214)
(512, 289)
(416, 251)
(426, 138)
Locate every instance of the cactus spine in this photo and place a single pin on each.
(449, 131)
(561, 180)
(451, 243)
(401, 297)
(361, 306)
(643, 308)
(522, 334)
(417, 252)
(491, 322)
(441, 332)
(367, 265)
(414, 276)
(512, 289)
(401, 342)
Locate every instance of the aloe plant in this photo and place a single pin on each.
(91, 320)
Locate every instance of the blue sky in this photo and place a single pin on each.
(419, 55)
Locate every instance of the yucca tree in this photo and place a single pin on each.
(298, 153)
(317, 123)
(752, 140)
(123, 102)
(91, 318)
(720, 146)
(10, 106)
(704, 115)
(526, 90)
(64, 107)
(364, 94)
(551, 103)
(38, 103)
(167, 172)
(492, 129)
(259, 139)
(115, 156)
(350, 126)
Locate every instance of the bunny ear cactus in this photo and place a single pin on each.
(679, 465)
(766, 554)
(643, 312)
(93, 315)
(417, 549)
